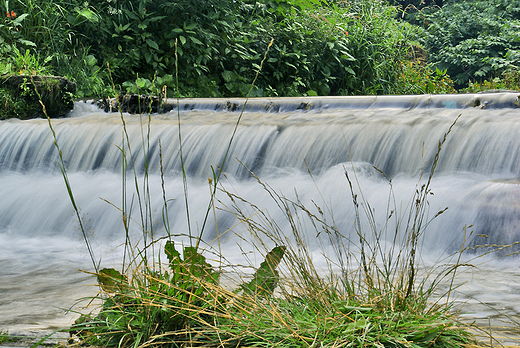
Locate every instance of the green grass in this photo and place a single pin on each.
(188, 306)
(4, 337)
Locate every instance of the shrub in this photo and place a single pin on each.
(320, 48)
(474, 40)
(419, 79)
(510, 80)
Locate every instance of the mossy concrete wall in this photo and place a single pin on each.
(20, 96)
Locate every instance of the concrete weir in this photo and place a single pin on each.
(132, 103)
(454, 101)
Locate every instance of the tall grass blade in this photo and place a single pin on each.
(216, 179)
(184, 179)
(63, 170)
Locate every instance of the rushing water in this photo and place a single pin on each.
(300, 147)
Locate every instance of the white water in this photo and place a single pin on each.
(42, 247)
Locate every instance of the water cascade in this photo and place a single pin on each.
(299, 146)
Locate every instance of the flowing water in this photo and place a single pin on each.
(301, 147)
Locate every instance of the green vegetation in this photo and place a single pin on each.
(20, 96)
(475, 40)
(3, 336)
(332, 47)
(6, 338)
(186, 305)
(320, 47)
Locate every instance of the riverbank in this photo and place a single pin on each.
(21, 96)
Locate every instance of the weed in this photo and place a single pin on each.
(4, 336)
(417, 79)
(509, 80)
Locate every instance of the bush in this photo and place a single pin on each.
(474, 40)
(50, 31)
(320, 48)
(338, 50)
(510, 80)
(420, 79)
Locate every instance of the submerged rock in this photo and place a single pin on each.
(32, 96)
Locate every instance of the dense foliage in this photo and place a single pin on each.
(475, 40)
(319, 48)
(333, 47)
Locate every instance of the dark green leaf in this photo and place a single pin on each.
(111, 280)
(196, 41)
(152, 44)
(171, 253)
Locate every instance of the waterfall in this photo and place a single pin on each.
(394, 140)
(482, 154)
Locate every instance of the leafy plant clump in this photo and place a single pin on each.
(421, 79)
(509, 81)
(185, 304)
(156, 307)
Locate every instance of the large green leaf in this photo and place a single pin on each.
(111, 280)
(266, 278)
(152, 44)
(171, 253)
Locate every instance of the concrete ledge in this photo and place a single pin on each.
(490, 100)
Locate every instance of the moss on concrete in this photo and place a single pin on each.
(20, 96)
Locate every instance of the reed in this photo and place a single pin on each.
(63, 170)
